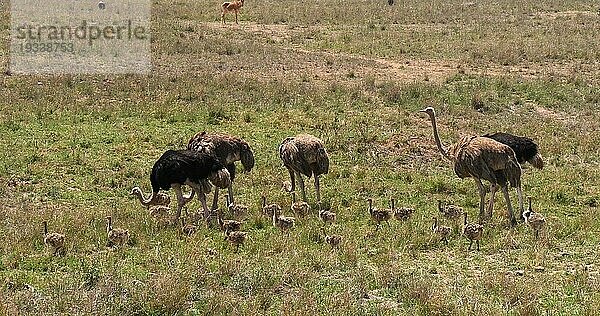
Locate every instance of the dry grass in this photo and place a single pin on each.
(73, 146)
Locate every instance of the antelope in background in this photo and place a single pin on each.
(233, 6)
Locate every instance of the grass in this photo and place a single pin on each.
(73, 146)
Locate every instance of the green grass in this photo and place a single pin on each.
(72, 147)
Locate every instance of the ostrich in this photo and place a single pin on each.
(188, 229)
(379, 215)
(402, 213)
(534, 219)
(333, 240)
(160, 199)
(299, 207)
(283, 222)
(483, 158)
(442, 231)
(526, 150)
(236, 238)
(227, 225)
(327, 216)
(304, 155)
(238, 211)
(473, 232)
(270, 209)
(228, 150)
(451, 212)
(180, 167)
(55, 241)
(116, 236)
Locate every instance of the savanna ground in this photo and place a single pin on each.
(353, 73)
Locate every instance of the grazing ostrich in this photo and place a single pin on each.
(236, 238)
(379, 216)
(534, 219)
(55, 241)
(233, 6)
(473, 232)
(116, 236)
(283, 222)
(442, 231)
(483, 158)
(228, 150)
(299, 207)
(269, 210)
(526, 150)
(160, 199)
(180, 167)
(333, 240)
(304, 155)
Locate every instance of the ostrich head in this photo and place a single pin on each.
(247, 158)
(429, 111)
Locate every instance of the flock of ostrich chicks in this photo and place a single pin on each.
(209, 160)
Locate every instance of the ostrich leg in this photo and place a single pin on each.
(230, 191)
(513, 221)
(181, 200)
(493, 189)
(292, 180)
(520, 196)
(481, 200)
(317, 188)
(301, 183)
(215, 204)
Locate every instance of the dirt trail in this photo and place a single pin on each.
(400, 69)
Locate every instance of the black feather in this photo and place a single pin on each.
(179, 166)
(525, 149)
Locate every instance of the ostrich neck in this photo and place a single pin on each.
(436, 136)
(144, 201)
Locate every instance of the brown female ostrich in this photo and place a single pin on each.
(526, 150)
(228, 150)
(304, 155)
(483, 158)
(179, 167)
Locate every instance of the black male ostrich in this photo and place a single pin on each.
(228, 149)
(178, 167)
(304, 155)
(526, 150)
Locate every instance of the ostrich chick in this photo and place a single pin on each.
(451, 212)
(534, 219)
(188, 229)
(327, 216)
(227, 225)
(236, 238)
(442, 231)
(283, 222)
(161, 215)
(269, 210)
(473, 232)
(116, 236)
(238, 211)
(403, 213)
(379, 215)
(333, 240)
(55, 241)
(301, 208)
